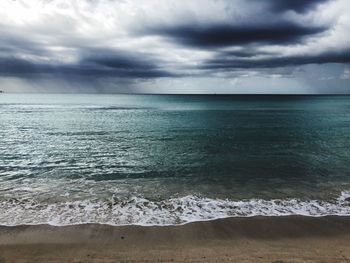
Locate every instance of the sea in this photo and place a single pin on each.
(68, 159)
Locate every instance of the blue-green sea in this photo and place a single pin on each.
(171, 159)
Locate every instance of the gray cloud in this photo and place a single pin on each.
(224, 35)
(225, 60)
(143, 41)
(295, 5)
(100, 63)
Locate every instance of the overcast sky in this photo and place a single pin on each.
(175, 46)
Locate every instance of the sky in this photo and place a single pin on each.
(175, 46)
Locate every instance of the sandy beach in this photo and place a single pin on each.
(259, 239)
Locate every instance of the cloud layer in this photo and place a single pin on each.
(146, 45)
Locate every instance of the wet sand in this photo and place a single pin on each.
(258, 239)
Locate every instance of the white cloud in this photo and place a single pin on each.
(346, 74)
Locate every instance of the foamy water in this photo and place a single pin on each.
(139, 211)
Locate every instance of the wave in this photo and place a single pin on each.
(175, 211)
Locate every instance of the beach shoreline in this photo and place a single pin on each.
(254, 239)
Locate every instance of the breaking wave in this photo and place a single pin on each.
(176, 211)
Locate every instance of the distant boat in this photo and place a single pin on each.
(1, 91)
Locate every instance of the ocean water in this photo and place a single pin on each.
(162, 159)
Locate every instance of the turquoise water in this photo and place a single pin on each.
(171, 159)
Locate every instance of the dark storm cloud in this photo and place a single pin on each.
(109, 59)
(123, 64)
(245, 53)
(295, 5)
(16, 66)
(226, 61)
(97, 64)
(223, 35)
(13, 43)
(133, 42)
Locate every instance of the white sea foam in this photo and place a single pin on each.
(140, 211)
